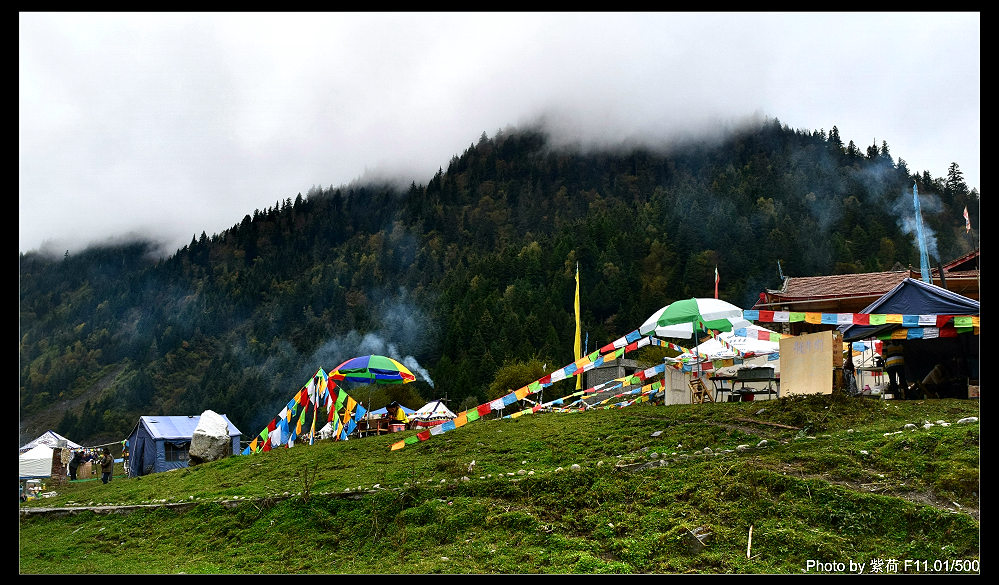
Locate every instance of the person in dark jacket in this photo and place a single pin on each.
(850, 375)
(75, 464)
(107, 465)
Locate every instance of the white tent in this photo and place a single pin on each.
(435, 410)
(50, 438)
(717, 350)
(36, 463)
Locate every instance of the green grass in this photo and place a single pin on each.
(844, 485)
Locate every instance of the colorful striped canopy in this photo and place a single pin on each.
(372, 369)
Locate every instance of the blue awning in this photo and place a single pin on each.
(911, 297)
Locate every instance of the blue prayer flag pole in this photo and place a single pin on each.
(924, 261)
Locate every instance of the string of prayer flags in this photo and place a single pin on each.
(280, 432)
(924, 326)
(927, 332)
(923, 320)
(612, 351)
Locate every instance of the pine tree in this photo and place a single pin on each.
(955, 185)
(884, 152)
(852, 151)
(834, 139)
(872, 151)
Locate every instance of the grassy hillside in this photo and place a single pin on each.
(828, 479)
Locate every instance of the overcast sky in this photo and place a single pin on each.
(170, 124)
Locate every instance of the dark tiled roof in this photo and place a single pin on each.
(839, 285)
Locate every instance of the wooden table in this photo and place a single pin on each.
(374, 426)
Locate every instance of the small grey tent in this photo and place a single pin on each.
(161, 443)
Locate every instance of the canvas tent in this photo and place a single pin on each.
(754, 352)
(715, 349)
(51, 439)
(35, 463)
(432, 413)
(161, 443)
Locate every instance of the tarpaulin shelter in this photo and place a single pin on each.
(911, 297)
(946, 345)
(384, 411)
(161, 443)
(52, 439)
(731, 344)
(35, 463)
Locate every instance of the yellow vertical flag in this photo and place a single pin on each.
(579, 334)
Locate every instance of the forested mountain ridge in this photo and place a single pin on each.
(460, 276)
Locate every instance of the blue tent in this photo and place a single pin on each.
(915, 297)
(384, 410)
(911, 297)
(161, 443)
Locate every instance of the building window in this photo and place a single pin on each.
(176, 451)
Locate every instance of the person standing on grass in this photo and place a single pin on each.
(895, 363)
(75, 464)
(850, 375)
(107, 465)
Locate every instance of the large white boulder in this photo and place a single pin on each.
(211, 440)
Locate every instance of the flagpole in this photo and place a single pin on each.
(314, 398)
(577, 349)
(924, 263)
(971, 242)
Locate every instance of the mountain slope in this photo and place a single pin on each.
(465, 274)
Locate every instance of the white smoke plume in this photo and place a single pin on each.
(402, 325)
(415, 367)
(905, 214)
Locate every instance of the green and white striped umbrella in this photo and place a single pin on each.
(678, 319)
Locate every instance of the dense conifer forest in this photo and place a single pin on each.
(462, 277)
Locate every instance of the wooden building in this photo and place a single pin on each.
(838, 293)
(851, 293)
(961, 275)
